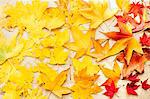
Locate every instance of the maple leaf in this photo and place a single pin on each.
(53, 81)
(112, 74)
(136, 63)
(131, 87)
(136, 8)
(133, 78)
(145, 40)
(104, 52)
(85, 63)
(85, 85)
(18, 77)
(145, 86)
(133, 45)
(110, 88)
(98, 12)
(100, 51)
(125, 32)
(82, 42)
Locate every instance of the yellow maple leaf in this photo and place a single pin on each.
(85, 63)
(100, 51)
(18, 77)
(113, 74)
(98, 12)
(133, 45)
(51, 80)
(82, 42)
(21, 75)
(105, 51)
(84, 85)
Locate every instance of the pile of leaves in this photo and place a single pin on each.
(65, 51)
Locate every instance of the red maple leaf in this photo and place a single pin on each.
(110, 88)
(145, 40)
(136, 8)
(133, 78)
(145, 86)
(131, 87)
(136, 63)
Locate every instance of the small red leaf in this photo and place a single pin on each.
(133, 78)
(136, 8)
(145, 86)
(145, 40)
(110, 88)
(131, 88)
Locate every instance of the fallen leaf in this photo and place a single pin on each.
(82, 42)
(50, 80)
(133, 45)
(85, 85)
(145, 86)
(145, 40)
(112, 74)
(125, 31)
(131, 87)
(85, 63)
(133, 78)
(110, 88)
(136, 63)
(100, 51)
(98, 12)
